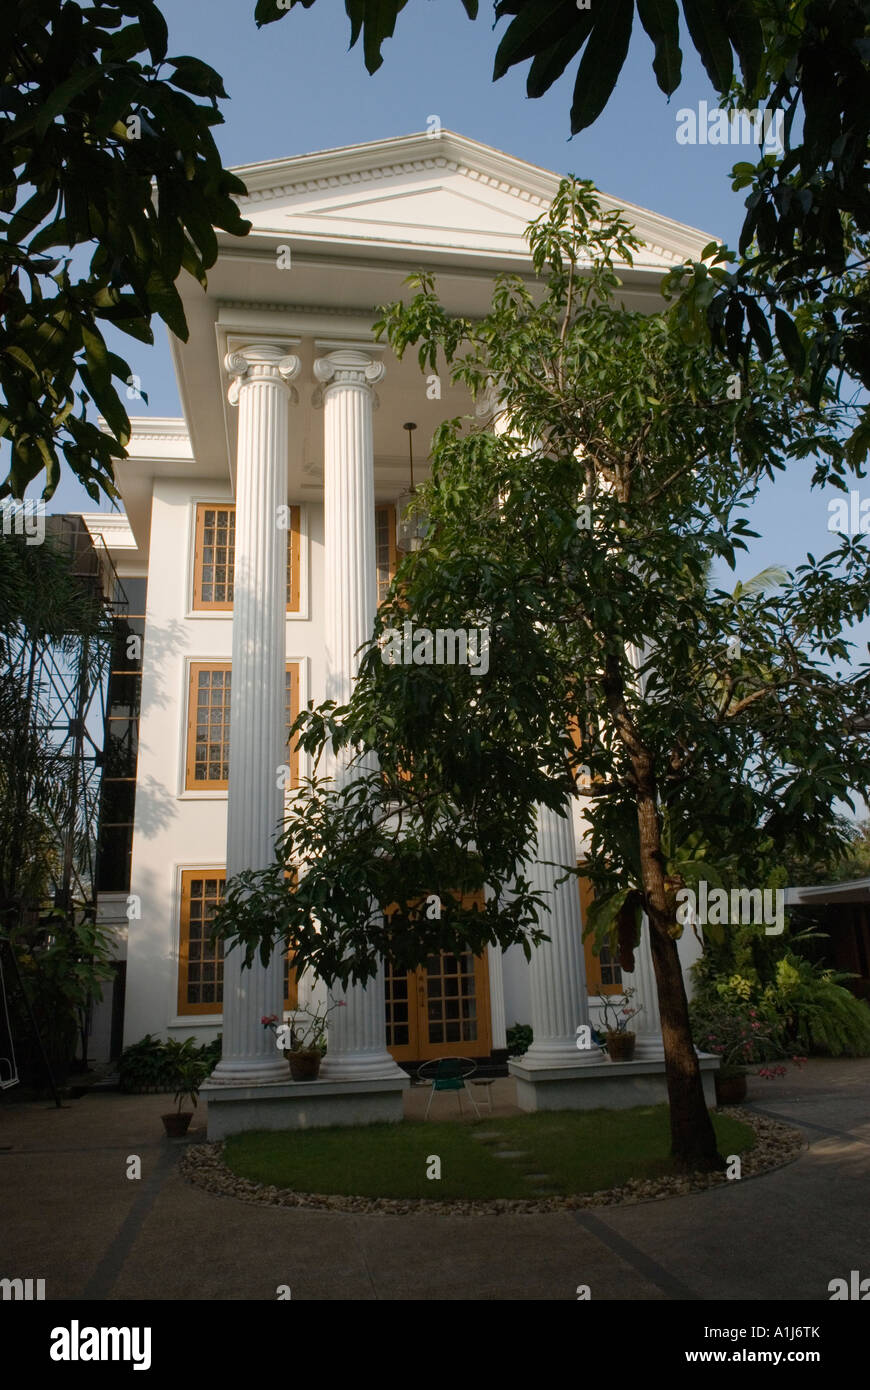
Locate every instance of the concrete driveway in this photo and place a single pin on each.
(73, 1217)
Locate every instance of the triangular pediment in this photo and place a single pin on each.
(444, 192)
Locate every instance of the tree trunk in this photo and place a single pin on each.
(693, 1139)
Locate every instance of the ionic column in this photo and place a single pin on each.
(348, 374)
(647, 1025)
(261, 374)
(498, 1022)
(557, 970)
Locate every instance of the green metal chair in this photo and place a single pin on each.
(449, 1074)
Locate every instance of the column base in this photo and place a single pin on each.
(302, 1105)
(562, 1055)
(360, 1066)
(242, 1072)
(601, 1085)
(650, 1049)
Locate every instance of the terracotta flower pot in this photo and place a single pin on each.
(620, 1046)
(304, 1066)
(177, 1123)
(730, 1090)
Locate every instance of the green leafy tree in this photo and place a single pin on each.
(579, 534)
(802, 271)
(856, 860)
(110, 185)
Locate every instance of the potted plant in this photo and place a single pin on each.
(304, 1041)
(730, 1083)
(187, 1072)
(733, 1028)
(617, 1014)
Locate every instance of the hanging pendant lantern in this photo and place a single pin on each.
(410, 520)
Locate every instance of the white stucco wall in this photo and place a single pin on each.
(177, 829)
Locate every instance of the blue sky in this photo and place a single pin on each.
(295, 87)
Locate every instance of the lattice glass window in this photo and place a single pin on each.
(215, 558)
(397, 1002)
(385, 548)
(451, 1001)
(611, 972)
(208, 747)
(201, 966)
(208, 731)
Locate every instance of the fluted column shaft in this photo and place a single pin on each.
(648, 1025)
(357, 1033)
(557, 970)
(261, 374)
(498, 1022)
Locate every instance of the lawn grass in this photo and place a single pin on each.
(581, 1151)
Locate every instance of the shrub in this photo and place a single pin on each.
(144, 1066)
(63, 962)
(519, 1039)
(210, 1053)
(817, 1013)
(803, 1004)
(153, 1065)
(731, 1028)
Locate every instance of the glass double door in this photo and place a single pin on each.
(439, 1010)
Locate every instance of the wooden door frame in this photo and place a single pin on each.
(418, 1048)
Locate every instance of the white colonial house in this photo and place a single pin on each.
(292, 409)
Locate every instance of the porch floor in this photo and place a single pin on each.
(501, 1090)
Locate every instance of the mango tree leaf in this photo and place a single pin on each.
(693, 871)
(602, 913)
(61, 97)
(31, 214)
(552, 62)
(661, 20)
(356, 10)
(380, 24)
(710, 37)
(125, 44)
(760, 328)
(155, 31)
(602, 62)
(166, 301)
(747, 39)
(858, 446)
(191, 75)
(789, 340)
(267, 11)
(535, 28)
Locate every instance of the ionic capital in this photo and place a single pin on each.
(348, 366)
(261, 362)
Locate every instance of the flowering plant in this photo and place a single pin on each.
(307, 1032)
(622, 1011)
(741, 1035)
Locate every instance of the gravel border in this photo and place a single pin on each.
(776, 1144)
